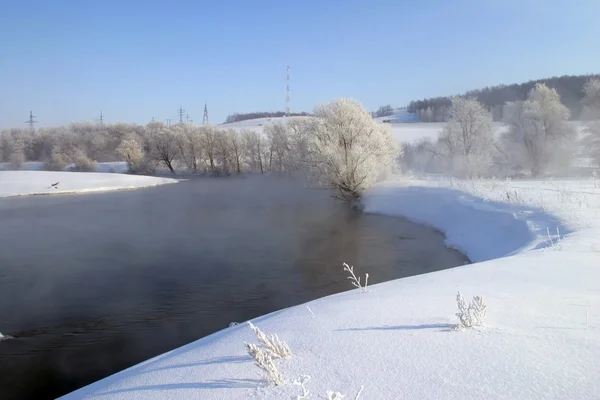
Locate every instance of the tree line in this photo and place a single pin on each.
(340, 147)
(539, 139)
(569, 88)
(236, 117)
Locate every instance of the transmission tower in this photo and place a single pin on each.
(205, 117)
(181, 113)
(187, 119)
(168, 121)
(287, 92)
(31, 121)
(101, 118)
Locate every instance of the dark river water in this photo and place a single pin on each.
(91, 284)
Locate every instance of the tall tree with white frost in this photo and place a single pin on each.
(467, 138)
(539, 133)
(591, 102)
(348, 151)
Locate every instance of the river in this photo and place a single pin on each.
(91, 284)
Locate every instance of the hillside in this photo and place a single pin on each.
(569, 88)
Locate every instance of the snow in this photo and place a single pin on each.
(19, 183)
(540, 339)
(120, 167)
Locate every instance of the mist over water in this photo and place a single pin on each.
(92, 284)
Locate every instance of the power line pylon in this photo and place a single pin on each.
(205, 117)
(287, 92)
(181, 113)
(31, 121)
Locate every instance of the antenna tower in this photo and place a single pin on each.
(31, 121)
(205, 117)
(287, 92)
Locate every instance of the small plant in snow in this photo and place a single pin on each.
(264, 361)
(275, 347)
(555, 243)
(354, 280)
(472, 314)
(301, 382)
(338, 396)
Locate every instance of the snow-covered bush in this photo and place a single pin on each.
(275, 347)
(466, 141)
(472, 314)
(354, 280)
(347, 150)
(263, 360)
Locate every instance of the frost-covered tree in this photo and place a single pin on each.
(131, 150)
(208, 143)
(236, 146)
(279, 146)
(163, 143)
(591, 103)
(467, 138)
(348, 150)
(539, 137)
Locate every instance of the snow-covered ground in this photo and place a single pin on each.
(18, 183)
(540, 340)
(114, 167)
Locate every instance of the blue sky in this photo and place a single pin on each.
(67, 60)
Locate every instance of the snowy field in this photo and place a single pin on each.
(537, 244)
(19, 183)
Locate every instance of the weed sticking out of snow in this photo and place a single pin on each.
(275, 347)
(303, 380)
(472, 314)
(334, 395)
(263, 360)
(354, 280)
(555, 242)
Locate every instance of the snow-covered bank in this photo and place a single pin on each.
(20, 183)
(540, 339)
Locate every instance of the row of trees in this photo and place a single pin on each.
(341, 147)
(569, 88)
(539, 139)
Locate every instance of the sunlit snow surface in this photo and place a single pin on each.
(541, 337)
(17, 183)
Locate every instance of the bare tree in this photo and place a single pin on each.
(208, 143)
(163, 144)
(467, 137)
(236, 146)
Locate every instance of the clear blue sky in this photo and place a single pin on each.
(67, 60)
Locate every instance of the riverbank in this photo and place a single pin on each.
(23, 183)
(537, 245)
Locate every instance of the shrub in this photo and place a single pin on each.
(472, 314)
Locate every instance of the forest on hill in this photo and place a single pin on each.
(569, 87)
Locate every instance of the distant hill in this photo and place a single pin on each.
(569, 87)
(236, 117)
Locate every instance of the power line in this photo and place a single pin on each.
(31, 121)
